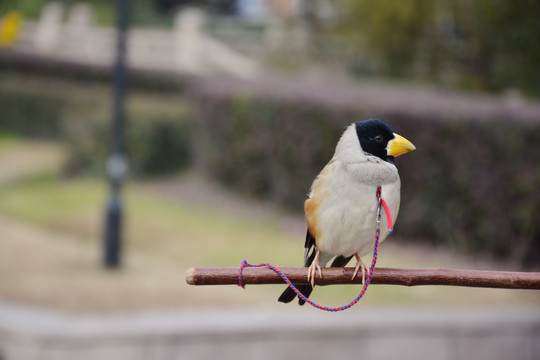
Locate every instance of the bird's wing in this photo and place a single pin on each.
(288, 295)
(317, 197)
(309, 246)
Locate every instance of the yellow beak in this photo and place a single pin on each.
(399, 146)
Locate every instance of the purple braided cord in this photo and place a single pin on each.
(301, 296)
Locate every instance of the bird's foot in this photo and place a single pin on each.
(360, 266)
(313, 269)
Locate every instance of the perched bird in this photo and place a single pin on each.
(341, 208)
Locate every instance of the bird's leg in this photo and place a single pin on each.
(359, 266)
(313, 268)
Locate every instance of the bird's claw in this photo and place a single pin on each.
(313, 269)
(360, 266)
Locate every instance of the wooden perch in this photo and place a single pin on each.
(387, 276)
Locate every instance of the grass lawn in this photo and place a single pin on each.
(52, 233)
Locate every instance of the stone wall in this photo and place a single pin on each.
(294, 333)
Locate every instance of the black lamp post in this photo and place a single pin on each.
(117, 165)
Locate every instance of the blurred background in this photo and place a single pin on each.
(232, 108)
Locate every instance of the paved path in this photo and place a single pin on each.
(28, 158)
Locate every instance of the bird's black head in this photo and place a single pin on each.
(374, 136)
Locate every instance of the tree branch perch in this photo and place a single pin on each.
(387, 276)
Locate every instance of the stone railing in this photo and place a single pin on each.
(184, 49)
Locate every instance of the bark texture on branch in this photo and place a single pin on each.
(388, 276)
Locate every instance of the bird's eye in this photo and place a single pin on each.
(378, 138)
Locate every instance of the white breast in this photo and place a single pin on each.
(346, 219)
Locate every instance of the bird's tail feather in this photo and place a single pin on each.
(288, 295)
(341, 261)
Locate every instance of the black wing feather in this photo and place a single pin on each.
(309, 245)
(289, 294)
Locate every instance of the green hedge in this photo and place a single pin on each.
(157, 143)
(30, 114)
(472, 182)
(79, 114)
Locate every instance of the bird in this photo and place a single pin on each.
(341, 207)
